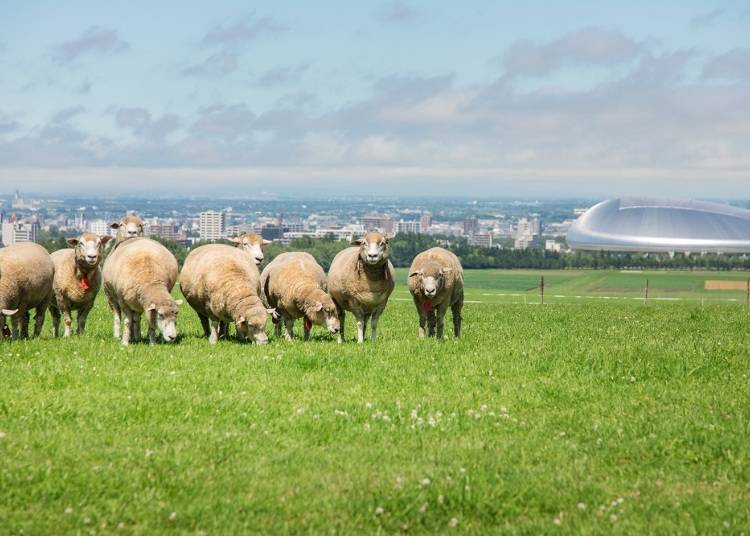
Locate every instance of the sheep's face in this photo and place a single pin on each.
(88, 248)
(166, 319)
(252, 244)
(323, 313)
(128, 227)
(252, 325)
(373, 248)
(431, 278)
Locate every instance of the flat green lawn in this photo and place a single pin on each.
(577, 417)
(522, 286)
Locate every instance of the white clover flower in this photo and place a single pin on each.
(424, 482)
(453, 523)
(379, 511)
(581, 506)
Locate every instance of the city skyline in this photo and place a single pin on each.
(399, 97)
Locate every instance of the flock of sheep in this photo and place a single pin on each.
(222, 284)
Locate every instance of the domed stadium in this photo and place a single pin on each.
(662, 225)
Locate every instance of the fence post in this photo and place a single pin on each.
(645, 295)
(542, 289)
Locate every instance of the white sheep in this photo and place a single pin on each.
(360, 280)
(26, 273)
(222, 284)
(252, 244)
(139, 275)
(436, 282)
(77, 280)
(294, 284)
(129, 226)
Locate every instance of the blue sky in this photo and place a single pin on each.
(476, 98)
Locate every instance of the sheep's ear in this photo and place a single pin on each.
(178, 302)
(234, 240)
(318, 307)
(272, 311)
(72, 241)
(357, 242)
(241, 320)
(114, 226)
(9, 312)
(389, 237)
(413, 274)
(151, 307)
(105, 238)
(265, 242)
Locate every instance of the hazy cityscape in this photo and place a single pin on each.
(505, 224)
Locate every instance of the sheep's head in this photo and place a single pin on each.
(88, 248)
(322, 312)
(128, 227)
(166, 318)
(431, 278)
(251, 325)
(373, 248)
(252, 244)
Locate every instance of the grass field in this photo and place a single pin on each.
(590, 416)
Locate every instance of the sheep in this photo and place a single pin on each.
(130, 226)
(436, 282)
(77, 280)
(26, 273)
(294, 284)
(139, 275)
(252, 244)
(360, 280)
(223, 285)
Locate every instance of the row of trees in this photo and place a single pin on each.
(405, 246)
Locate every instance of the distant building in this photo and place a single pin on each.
(212, 225)
(483, 240)
(376, 222)
(14, 232)
(165, 229)
(408, 227)
(272, 232)
(471, 226)
(99, 227)
(551, 245)
(425, 221)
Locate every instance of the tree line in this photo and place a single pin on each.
(405, 246)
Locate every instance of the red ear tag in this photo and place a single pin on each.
(427, 306)
(84, 283)
(307, 324)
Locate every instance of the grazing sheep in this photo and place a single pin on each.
(77, 280)
(138, 277)
(360, 280)
(222, 284)
(130, 226)
(26, 273)
(294, 285)
(436, 282)
(252, 244)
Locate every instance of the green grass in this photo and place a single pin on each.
(639, 414)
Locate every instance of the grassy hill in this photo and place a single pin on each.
(587, 416)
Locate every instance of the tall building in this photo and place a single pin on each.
(471, 226)
(212, 225)
(377, 222)
(15, 231)
(408, 227)
(425, 221)
(165, 229)
(99, 227)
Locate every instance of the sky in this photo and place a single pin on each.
(396, 97)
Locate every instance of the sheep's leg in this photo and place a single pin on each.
(205, 325)
(215, 327)
(277, 328)
(116, 315)
(136, 329)
(67, 320)
(25, 325)
(422, 318)
(360, 328)
(289, 325)
(15, 322)
(39, 314)
(83, 314)
(55, 314)
(374, 325)
(431, 321)
(440, 314)
(306, 332)
(2, 325)
(224, 330)
(151, 321)
(342, 316)
(127, 324)
(456, 311)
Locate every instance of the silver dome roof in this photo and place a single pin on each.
(654, 225)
